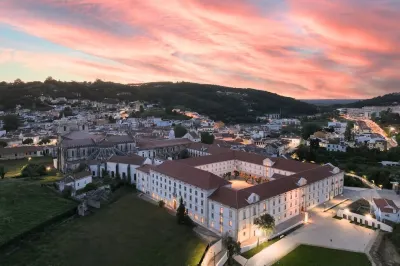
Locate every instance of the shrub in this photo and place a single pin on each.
(33, 170)
(89, 187)
(161, 204)
(66, 193)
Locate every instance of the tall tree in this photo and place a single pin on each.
(180, 212)
(232, 247)
(207, 138)
(314, 144)
(348, 134)
(180, 131)
(309, 129)
(266, 222)
(27, 141)
(3, 144)
(11, 122)
(3, 171)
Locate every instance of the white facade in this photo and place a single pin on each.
(238, 221)
(342, 147)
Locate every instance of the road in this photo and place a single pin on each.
(365, 181)
(375, 128)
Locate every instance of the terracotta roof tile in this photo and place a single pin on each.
(385, 205)
(131, 159)
(190, 175)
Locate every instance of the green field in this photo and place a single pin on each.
(25, 204)
(305, 255)
(127, 232)
(14, 167)
(250, 253)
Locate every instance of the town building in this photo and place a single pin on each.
(76, 181)
(385, 210)
(286, 188)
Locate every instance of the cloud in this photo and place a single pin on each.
(297, 48)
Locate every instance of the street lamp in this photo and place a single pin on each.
(258, 234)
(30, 158)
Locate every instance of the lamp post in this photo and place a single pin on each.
(258, 234)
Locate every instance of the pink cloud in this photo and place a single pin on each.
(317, 49)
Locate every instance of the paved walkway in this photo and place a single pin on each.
(322, 230)
(279, 228)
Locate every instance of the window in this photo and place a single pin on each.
(230, 223)
(212, 215)
(265, 207)
(221, 210)
(244, 214)
(230, 213)
(212, 206)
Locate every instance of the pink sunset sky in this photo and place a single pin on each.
(298, 48)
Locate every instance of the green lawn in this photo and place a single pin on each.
(305, 255)
(127, 232)
(14, 167)
(25, 204)
(250, 253)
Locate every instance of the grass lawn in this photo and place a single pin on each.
(127, 232)
(250, 253)
(14, 167)
(305, 255)
(25, 204)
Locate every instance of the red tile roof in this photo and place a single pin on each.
(153, 144)
(385, 205)
(131, 159)
(145, 168)
(190, 175)
(237, 199)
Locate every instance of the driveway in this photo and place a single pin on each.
(322, 230)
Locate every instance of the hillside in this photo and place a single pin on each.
(231, 105)
(384, 100)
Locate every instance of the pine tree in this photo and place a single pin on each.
(180, 212)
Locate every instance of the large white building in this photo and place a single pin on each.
(288, 188)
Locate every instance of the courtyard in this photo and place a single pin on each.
(238, 184)
(127, 232)
(321, 230)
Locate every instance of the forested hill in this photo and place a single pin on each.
(384, 100)
(220, 103)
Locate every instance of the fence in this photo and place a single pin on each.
(275, 235)
(211, 252)
(365, 220)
